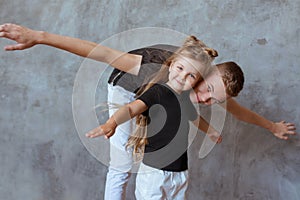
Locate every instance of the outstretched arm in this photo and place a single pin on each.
(202, 125)
(27, 38)
(279, 129)
(122, 115)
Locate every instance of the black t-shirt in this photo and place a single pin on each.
(168, 130)
(152, 59)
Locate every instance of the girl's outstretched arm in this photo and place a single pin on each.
(27, 38)
(122, 115)
(279, 129)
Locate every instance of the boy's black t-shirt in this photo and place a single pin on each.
(152, 59)
(168, 130)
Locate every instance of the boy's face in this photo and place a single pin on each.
(209, 91)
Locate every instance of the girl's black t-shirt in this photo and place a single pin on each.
(168, 130)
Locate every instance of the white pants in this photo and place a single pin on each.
(155, 184)
(121, 161)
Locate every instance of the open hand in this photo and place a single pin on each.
(215, 137)
(107, 130)
(283, 129)
(24, 37)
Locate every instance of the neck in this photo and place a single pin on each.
(175, 90)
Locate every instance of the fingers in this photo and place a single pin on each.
(5, 32)
(290, 128)
(109, 134)
(291, 132)
(5, 35)
(8, 27)
(95, 133)
(287, 124)
(14, 47)
(284, 128)
(219, 140)
(283, 137)
(5, 27)
(9, 48)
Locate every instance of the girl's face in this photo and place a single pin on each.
(209, 91)
(183, 74)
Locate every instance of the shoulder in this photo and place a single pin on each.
(158, 89)
(155, 54)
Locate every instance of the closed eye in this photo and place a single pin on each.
(193, 76)
(209, 88)
(217, 101)
(179, 68)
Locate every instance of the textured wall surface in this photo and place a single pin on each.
(42, 156)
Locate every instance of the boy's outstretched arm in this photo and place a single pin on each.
(122, 115)
(202, 125)
(27, 38)
(280, 129)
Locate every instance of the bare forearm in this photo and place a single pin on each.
(27, 38)
(253, 118)
(118, 59)
(243, 114)
(122, 115)
(203, 125)
(73, 45)
(279, 129)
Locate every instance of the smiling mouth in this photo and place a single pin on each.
(180, 83)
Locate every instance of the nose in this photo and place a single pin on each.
(204, 97)
(182, 76)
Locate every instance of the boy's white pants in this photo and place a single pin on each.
(121, 161)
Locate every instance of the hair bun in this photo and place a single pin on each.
(193, 40)
(213, 53)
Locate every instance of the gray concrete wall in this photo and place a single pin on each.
(42, 156)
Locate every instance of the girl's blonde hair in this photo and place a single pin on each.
(191, 48)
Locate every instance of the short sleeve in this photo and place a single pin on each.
(151, 96)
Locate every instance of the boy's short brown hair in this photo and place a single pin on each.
(232, 76)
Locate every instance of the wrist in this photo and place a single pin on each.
(271, 127)
(40, 37)
(111, 122)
